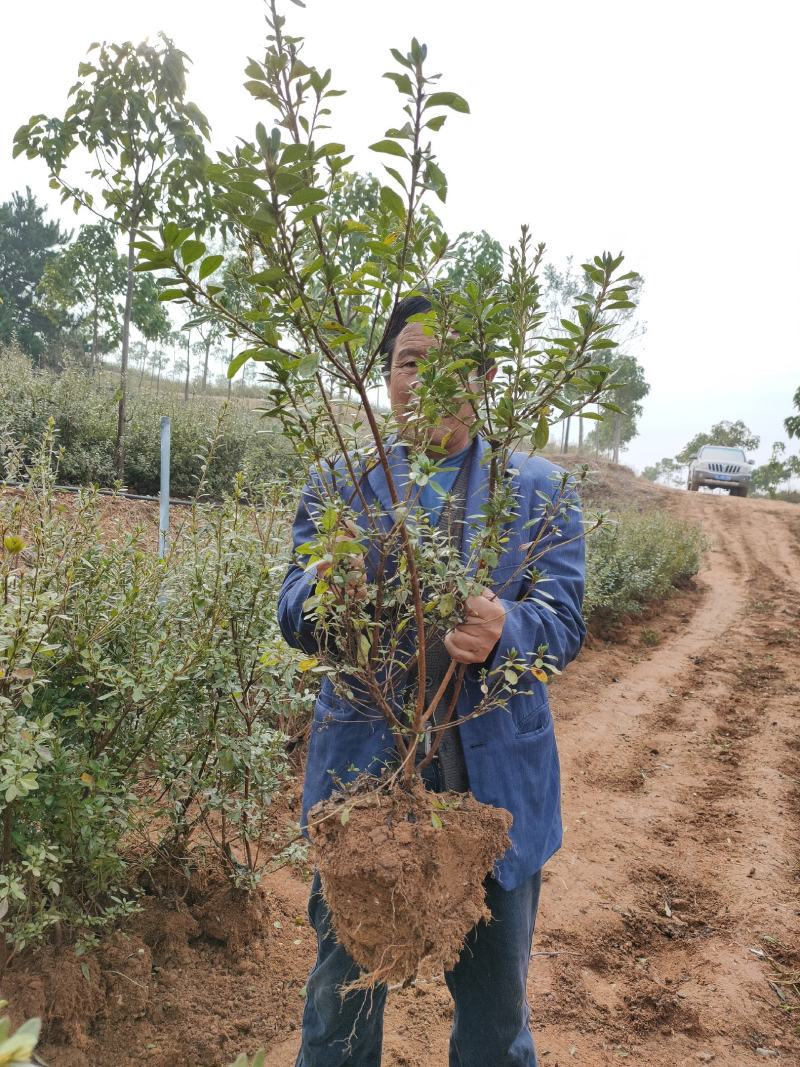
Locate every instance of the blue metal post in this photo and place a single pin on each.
(163, 511)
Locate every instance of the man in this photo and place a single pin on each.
(506, 757)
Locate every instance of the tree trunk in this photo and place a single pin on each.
(95, 327)
(580, 434)
(617, 430)
(144, 364)
(205, 362)
(230, 380)
(566, 434)
(119, 461)
(188, 363)
(597, 435)
(158, 379)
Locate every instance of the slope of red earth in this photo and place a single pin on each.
(669, 929)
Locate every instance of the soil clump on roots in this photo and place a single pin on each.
(402, 872)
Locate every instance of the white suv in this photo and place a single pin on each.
(720, 467)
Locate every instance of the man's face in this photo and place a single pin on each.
(452, 432)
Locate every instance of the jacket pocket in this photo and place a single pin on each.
(532, 718)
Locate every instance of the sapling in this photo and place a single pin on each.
(381, 579)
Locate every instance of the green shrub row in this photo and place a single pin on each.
(138, 698)
(85, 414)
(635, 558)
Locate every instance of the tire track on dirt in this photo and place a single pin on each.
(667, 971)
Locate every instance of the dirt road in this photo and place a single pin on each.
(669, 930)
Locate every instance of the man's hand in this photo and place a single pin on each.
(474, 639)
(354, 572)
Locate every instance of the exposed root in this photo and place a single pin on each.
(402, 872)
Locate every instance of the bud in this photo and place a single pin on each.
(13, 543)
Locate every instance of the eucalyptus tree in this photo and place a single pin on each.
(629, 387)
(729, 434)
(792, 422)
(626, 384)
(473, 255)
(779, 468)
(85, 286)
(149, 315)
(129, 129)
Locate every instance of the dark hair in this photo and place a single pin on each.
(403, 310)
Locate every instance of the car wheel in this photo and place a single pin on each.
(742, 490)
(693, 487)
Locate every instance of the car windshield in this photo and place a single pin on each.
(722, 455)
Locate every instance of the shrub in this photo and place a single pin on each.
(135, 693)
(636, 558)
(17, 1047)
(83, 409)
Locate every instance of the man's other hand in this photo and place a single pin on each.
(355, 577)
(474, 639)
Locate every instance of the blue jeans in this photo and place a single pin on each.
(488, 986)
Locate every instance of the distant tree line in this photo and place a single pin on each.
(63, 295)
(149, 147)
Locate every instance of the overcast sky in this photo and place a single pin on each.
(666, 130)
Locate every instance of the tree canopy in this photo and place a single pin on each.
(792, 423)
(82, 289)
(725, 433)
(28, 243)
(129, 111)
(628, 387)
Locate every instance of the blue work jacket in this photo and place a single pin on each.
(510, 752)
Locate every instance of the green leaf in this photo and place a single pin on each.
(391, 148)
(436, 180)
(306, 196)
(237, 362)
(396, 175)
(263, 139)
(294, 153)
(451, 100)
(266, 277)
(392, 202)
(253, 70)
(209, 265)
(259, 90)
(436, 821)
(401, 59)
(172, 294)
(402, 81)
(191, 250)
(542, 434)
(263, 221)
(308, 365)
(333, 148)
(309, 212)
(436, 122)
